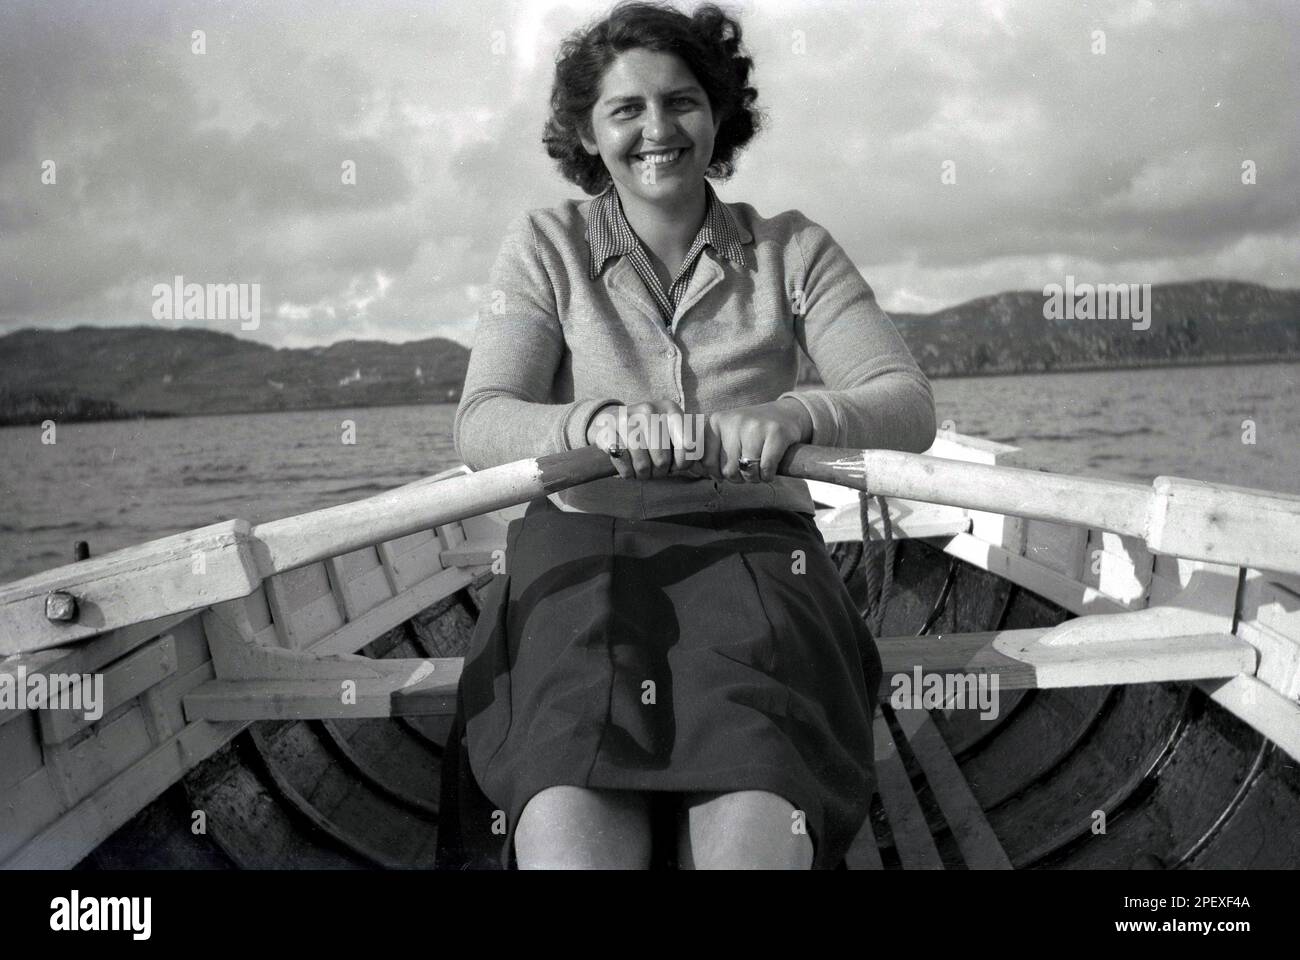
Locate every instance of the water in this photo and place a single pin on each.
(1140, 424)
(120, 483)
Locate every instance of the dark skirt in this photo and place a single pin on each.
(697, 652)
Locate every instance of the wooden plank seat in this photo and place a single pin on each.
(361, 688)
(285, 684)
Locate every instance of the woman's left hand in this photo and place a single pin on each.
(761, 433)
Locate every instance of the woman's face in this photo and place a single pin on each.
(650, 102)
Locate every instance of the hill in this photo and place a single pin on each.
(109, 372)
(1202, 322)
(181, 372)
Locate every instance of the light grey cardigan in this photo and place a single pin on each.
(552, 346)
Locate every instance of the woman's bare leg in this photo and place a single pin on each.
(577, 828)
(744, 830)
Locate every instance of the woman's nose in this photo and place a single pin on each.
(658, 125)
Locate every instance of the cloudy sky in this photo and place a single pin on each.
(225, 166)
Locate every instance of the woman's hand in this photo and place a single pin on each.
(651, 437)
(760, 433)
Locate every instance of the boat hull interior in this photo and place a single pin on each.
(1178, 781)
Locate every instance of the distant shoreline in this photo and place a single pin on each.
(1247, 361)
(33, 408)
(104, 412)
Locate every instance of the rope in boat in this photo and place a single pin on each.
(941, 602)
(879, 579)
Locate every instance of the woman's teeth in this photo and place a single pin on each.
(656, 159)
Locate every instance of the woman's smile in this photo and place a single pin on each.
(660, 159)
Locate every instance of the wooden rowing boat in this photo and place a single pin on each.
(281, 695)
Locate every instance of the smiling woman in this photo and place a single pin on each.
(669, 668)
(668, 112)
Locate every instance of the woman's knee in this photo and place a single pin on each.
(579, 828)
(743, 830)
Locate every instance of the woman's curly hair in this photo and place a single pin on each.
(709, 42)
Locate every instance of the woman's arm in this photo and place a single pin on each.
(504, 411)
(877, 396)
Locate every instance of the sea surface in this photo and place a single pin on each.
(119, 483)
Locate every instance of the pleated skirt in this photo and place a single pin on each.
(696, 652)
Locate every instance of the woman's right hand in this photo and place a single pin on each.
(651, 439)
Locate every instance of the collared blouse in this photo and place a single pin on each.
(612, 236)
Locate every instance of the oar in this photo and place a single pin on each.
(198, 568)
(1112, 505)
(295, 541)
(193, 570)
(1183, 518)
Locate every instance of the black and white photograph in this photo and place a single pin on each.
(450, 437)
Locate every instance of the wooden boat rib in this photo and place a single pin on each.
(1146, 641)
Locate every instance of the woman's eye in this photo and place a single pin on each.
(680, 101)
